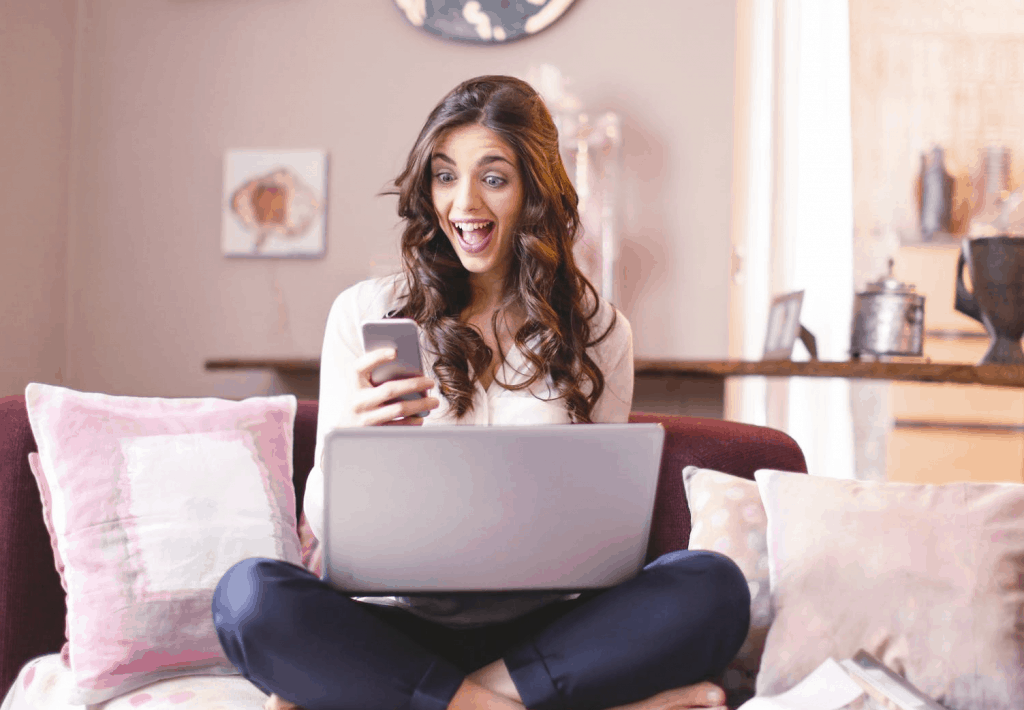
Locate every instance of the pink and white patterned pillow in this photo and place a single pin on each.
(149, 501)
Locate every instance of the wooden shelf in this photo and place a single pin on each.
(993, 375)
(291, 366)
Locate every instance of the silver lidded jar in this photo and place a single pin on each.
(888, 320)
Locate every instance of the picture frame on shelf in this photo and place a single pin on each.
(783, 326)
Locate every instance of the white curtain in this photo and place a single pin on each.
(794, 212)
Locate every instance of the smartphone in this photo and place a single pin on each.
(403, 335)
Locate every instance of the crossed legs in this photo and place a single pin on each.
(678, 622)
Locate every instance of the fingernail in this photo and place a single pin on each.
(714, 696)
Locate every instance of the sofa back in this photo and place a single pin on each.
(32, 608)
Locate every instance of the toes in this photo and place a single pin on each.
(699, 695)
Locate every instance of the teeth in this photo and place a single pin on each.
(471, 226)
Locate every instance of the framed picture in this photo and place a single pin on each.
(783, 326)
(274, 203)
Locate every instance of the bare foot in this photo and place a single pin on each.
(473, 696)
(495, 677)
(698, 695)
(276, 702)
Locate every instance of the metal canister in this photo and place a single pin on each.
(888, 319)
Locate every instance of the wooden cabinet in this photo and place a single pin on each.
(945, 455)
(947, 432)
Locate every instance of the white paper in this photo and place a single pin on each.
(828, 687)
(884, 683)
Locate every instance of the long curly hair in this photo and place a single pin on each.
(543, 280)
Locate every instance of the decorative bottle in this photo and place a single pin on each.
(936, 194)
(993, 214)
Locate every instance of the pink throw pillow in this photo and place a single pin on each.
(148, 502)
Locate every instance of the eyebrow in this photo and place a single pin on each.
(486, 160)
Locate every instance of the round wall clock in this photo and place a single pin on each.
(483, 21)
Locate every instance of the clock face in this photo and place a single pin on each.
(482, 21)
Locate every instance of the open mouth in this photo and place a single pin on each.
(474, 236)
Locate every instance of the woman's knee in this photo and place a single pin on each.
(711, 577)
(711, 593)
(246, 589)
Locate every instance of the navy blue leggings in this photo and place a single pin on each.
(681, 620)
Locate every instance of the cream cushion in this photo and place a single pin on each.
(928, 578)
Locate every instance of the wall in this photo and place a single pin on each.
(36, 73)
(166, 86)
(926, 73)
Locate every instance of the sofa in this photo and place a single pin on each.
(32, 601)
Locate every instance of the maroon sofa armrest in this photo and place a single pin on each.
(729, 447)
(305, 446)
(32, 609)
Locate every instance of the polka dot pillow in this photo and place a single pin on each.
(45, 683)
(727, 516)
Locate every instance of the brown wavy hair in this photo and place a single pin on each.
(543, 279)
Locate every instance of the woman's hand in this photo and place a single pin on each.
(373, 405)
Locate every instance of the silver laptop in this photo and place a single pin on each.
(462, 508)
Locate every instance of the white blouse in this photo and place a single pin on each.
(371, 300)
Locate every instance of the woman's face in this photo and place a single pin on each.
(478, 194)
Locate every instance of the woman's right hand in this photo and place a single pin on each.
(373, 405)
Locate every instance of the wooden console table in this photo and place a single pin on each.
(285, 366)
(955, 373)
(993, 375)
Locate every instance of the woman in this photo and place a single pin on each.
(512, 334)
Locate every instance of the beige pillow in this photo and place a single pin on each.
(928, 578)
(727, 517)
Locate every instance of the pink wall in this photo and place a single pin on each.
(36, 71)
(164, 87)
